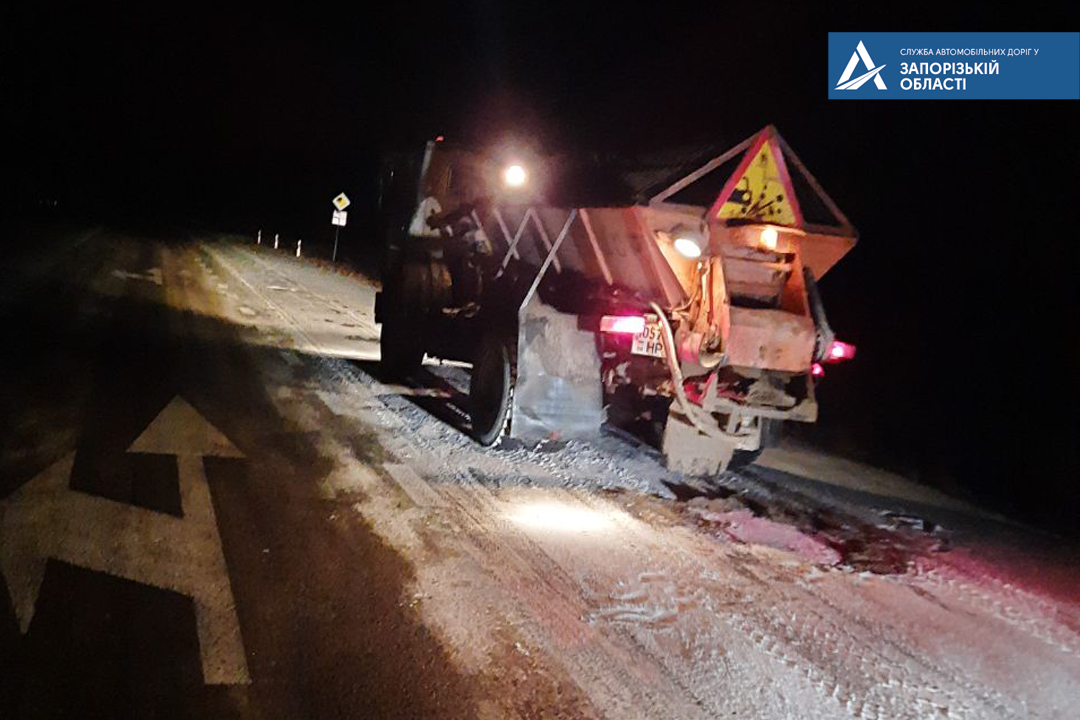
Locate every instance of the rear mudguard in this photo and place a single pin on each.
(558, 394)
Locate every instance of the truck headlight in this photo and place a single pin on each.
(515, 176)
(688, 246)
(768, 238)
(688, 240)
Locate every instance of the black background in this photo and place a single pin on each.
(961, 295)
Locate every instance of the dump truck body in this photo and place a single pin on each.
(693, 307)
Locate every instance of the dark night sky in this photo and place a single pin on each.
(962, 294)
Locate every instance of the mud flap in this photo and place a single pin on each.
(558, 394)
(688, 451)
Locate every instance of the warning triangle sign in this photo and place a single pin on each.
(760, 188)
(759, 180)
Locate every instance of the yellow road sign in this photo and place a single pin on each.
(342, 201)
(762, 192)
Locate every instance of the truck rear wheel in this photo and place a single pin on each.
(491, 389)
(400, 348)
(411, 291)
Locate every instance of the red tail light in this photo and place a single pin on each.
(817, 370)
(630, 324)
(839, 352)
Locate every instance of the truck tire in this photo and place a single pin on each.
(491, 389)
(401, 350)
(408, 294)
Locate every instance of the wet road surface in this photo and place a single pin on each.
(213, 505)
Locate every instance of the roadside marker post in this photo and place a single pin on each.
(275, 240)
(298, 241)
(258, 238)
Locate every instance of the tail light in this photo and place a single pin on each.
(839, 352)
(629, 324)
(817, 370)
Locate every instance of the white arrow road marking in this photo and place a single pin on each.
(46, 519)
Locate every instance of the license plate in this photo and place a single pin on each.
(649, 341)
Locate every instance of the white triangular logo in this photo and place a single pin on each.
(847, 83)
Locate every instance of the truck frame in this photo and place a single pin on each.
(681, 303)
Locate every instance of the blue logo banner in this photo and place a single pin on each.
(954, 66)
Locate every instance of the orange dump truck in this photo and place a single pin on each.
(678, 300)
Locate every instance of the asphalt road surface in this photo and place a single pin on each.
(212, 505)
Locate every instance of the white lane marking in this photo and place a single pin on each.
(310, 344)
(419, 491)
(345, 481)
(152, 275)
(355, 478)
(46, 519)
(236, 274)
(359, 317)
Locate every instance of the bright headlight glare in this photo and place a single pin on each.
(560, 517)
(768, 238)
(515, 176)
(688, 246)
